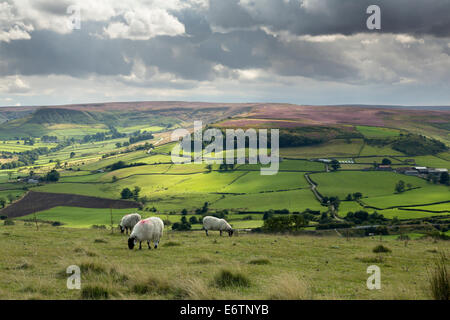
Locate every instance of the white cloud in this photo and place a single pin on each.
(145, 24)
(14, 85)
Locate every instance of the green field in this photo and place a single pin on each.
(370, 183)
(334, 148)
(377, 132)
(34, 262)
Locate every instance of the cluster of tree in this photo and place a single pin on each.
(335, 165)
(121, 164)
(52, 176)
(102, 136)
(334, 201)
(226, 167)
(10, 198)
(49, 139)
(285, 223)
(183, 225)
(29, 142)
(355, 196)
(126, 193)
(401, 186)
(414, 144)
(138, 136)
(363, 217)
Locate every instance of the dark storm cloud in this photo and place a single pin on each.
(334, 16)
(229, 33)
(76, 54)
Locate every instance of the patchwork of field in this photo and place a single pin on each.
(426, 195)
(19, 146)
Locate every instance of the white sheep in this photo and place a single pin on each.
(129, 221)
(213, 223)
(150, 229)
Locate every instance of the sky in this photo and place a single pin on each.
(317, 52)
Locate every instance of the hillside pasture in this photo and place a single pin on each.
(369, 183)
(302, 267)
(333, 148)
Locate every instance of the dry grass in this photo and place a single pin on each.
(440, 279)
(289, 287)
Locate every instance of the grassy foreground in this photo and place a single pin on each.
(188, 265)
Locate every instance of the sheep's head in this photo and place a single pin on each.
(122, 229)
(230, 232)
(131, 243)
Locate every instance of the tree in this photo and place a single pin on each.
(335, 165)
(114, 179)
(386, 162)
(126, 194)
(118, 145)
(52, 176)
(445, 178)
(72, 154)
(205, 207)
(10, 198)
(409, 186)
(2, 203)
(136, 192)
(400, 186)
(349, 197)
(193, 220)
(184, 212)
(357, 195)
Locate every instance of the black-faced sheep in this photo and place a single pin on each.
(150, 229)
(129, 221)
(216, 224)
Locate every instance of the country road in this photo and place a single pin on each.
(319, 197)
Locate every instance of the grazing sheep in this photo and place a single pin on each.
(213, 223)
(129, 221)
(150, 229)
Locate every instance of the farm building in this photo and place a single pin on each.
(384, 168)
(421, 169)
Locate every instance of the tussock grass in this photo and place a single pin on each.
(289, 287)
(381, 249)
(100, 241)
(197, 289)
(172, 244)
(92, 267)
(226, 278)
(94, 293)
(261, 261)
(158, 286)
(372, 259)
(203, 260)
(440, 279)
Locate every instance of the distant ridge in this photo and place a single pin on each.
(200, 104)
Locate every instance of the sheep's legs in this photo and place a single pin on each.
(207, 232)
(156, 244)
(220, 232)
(149, 247)
(140, 245)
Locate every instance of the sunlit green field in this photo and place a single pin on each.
(369, 183)
(377, 132)
(187, 264)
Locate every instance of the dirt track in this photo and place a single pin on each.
(39, 201)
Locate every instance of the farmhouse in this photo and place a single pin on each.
(421, 169)
(383, 167)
